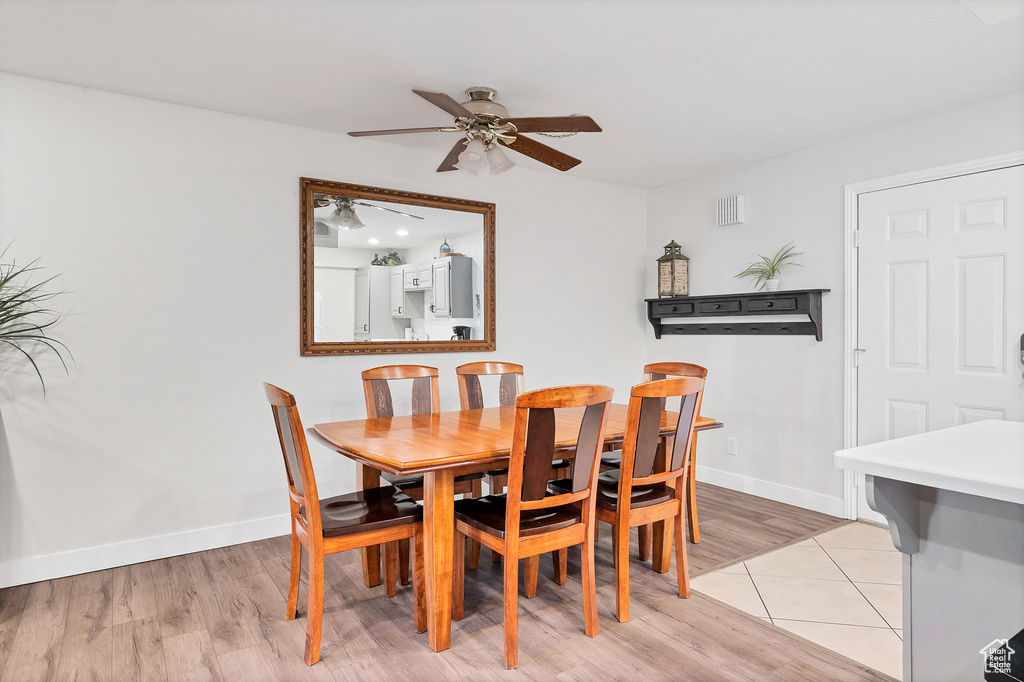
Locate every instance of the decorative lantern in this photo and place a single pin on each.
(673, 272)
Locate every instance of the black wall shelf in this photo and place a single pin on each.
(797, 302)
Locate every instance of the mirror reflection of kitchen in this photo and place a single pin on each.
(395, 272)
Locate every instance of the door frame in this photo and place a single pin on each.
(852, 217)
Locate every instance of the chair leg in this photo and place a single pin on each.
(560, 563)
(615, 547)
(589, 585)
(661, 554)
(403, 561)
(315, 612)
(458, 574)
(291, 609)
(691, 492)
(474, 546)
(682, 564)
(622, 572)
(419, 579)
(390, 567)
(530, 573)
(511, 589)
(643, 534)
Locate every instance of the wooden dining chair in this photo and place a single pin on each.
(634, 495)
(335, 524)
(528, 520)
(471, 397)
(611, 460)
(425, 399)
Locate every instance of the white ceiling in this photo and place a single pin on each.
(681, 87)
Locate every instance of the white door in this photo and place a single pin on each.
(940, 306)
(361, 328)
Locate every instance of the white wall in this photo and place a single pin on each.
(160, 441)
(782, 397)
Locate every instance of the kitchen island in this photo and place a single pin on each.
(954, 501)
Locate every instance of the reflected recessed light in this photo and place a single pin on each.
(373, 240)
(402, 233)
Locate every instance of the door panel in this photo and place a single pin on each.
(940, 305)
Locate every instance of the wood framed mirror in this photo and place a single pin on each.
(391, 271)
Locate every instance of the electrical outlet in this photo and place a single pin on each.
(730, 446)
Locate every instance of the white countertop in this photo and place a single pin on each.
(985, 458)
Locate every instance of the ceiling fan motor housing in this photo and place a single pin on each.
(481, 102)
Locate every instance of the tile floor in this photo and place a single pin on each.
(841, 590)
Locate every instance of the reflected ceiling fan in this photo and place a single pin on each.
(344, 217)
(486, 127)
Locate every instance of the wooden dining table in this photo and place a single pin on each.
(439, 446)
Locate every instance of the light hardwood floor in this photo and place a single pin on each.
(219, 615)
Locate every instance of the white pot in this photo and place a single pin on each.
(771, 285)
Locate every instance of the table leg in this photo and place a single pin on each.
(691, 493)
(368, 478)
(438, 529)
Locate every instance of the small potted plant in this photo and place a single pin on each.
(765, 272)
(24, 321)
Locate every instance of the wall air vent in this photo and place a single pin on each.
(323, 235)
(729, 210)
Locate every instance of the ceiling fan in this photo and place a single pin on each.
(344, 216)
(486, 126)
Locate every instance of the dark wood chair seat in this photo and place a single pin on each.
(414, 483)
(488, 514)
(558, 464)
(365, 510)
(608, 492)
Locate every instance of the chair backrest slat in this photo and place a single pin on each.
(539, 454)
(687, 416)
(510, 384)
(382, 405)
(590, 439)
(508, 389)
(377, 389)
(647, 436)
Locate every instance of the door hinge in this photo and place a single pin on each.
(856, 356)
(856, 239)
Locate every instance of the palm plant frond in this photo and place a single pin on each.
(25, 320)
(770, 267)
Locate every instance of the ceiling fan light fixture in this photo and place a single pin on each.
(345, 218)
(473, 157)
(497, 160)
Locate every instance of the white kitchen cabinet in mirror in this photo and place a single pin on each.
(365, 308)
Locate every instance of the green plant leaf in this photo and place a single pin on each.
(770, 267)
(24, 319)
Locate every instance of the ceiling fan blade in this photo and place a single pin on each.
(396, 131)
(554, 124)
(443, 101)
(382, 208)
(449, 161)
(542, 152)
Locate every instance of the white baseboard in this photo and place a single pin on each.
(834, 506)
(49, 566)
